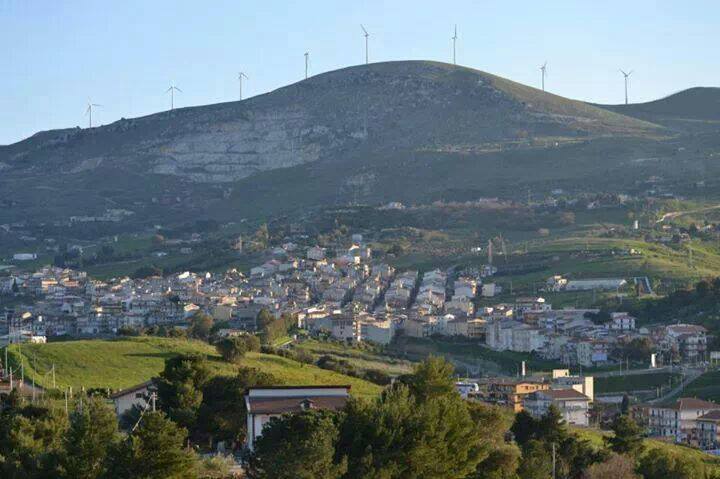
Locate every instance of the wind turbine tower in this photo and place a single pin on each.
(454, 39)
(241, 75)
(172, 91)
(626, 75)
(307, 62)
(367, 35)
(543, 72)
(89, 111)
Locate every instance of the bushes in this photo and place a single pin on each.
(232, 349)
(343, 366)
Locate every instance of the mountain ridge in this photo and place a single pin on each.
(414, 131)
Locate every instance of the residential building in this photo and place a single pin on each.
(264, 403)
(573, 405)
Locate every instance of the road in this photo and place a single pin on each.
(689, 375)
(675, 214)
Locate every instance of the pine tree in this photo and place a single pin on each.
(155, 450)
(180, 388)
(298, 446)
(627, 438)
(93, 433)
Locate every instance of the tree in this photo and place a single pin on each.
(155, 450)
(398, 436)
(432, 378)
(536, 463)
(627, 438)
(615, 467)
(552, 426)
(222, 414)
(298, 446)
(263, 319)
(231, 349)
(524, 428)
(658, 464)
(502, 463)
(200, 326)
(31, 440)
(625, 405)
(92, 434)
(180, 388)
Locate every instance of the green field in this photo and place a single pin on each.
(121, 363)
(639, 382)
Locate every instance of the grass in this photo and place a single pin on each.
(596, 437)
(121, 363)
(707, 387)
(640, 382)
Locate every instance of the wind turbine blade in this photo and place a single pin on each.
(630, 73)
(177, 89)
(166, 91)
(363, 29)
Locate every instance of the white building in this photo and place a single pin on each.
(264, 403)
(138, 395)
(573, 405)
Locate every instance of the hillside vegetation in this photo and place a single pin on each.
(121, 363)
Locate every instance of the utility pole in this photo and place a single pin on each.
(66, 401)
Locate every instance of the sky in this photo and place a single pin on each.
(56, 55)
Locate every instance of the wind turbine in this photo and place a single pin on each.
(626, 75)
(240, 78)
(454, 39)
(307, 62)
(367, 35)
(172, 91)
(89, 111)
(543, 71)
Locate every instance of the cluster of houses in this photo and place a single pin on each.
(572, 395)
(686, 420)
(571, 337)
(345, 295)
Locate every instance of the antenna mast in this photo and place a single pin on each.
(307, 61)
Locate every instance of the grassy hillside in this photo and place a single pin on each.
(705, 387)
(361, 359)
(596, 437)
(117, 364)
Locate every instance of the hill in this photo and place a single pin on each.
(692, 109)
(339, 137)
(121, 363)
(711, 462)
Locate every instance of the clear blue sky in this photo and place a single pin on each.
(123, 54)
